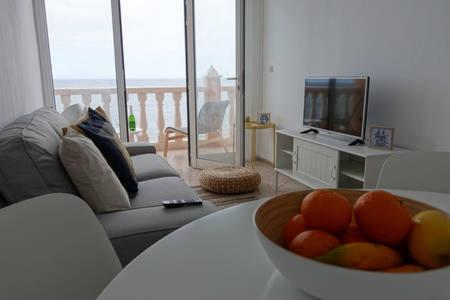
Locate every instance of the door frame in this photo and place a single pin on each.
(194, 161)
(120, 70)
(40, 21)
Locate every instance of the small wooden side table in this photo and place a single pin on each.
(253, 126)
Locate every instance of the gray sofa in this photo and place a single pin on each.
(30, 167)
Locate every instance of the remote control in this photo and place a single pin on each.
(179, 203)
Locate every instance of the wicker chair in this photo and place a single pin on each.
(210, 120)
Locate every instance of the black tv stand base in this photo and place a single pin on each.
(315, 131)
(357, 142)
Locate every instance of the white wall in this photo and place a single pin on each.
(404, 45)
(20, 77)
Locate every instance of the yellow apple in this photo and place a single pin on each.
(429, 239)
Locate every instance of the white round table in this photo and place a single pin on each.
(215, 257)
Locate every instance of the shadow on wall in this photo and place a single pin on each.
(401, 103)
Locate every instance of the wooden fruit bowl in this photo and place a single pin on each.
(335, 283)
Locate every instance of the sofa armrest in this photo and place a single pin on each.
(134, 148)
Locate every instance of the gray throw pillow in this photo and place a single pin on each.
(94, 179)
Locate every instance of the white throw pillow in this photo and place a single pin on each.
(91, 174)
(74, 113)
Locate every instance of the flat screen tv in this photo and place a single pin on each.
(337, 104)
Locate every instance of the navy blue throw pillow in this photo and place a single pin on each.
(98, 129)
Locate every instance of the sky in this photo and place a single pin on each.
(81, 38)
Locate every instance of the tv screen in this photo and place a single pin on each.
(336, 104)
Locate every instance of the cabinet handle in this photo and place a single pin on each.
(333, 173)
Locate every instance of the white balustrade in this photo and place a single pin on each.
(86, 99)
(177, 96)
(65, 99)
(160, 117)
(106, 100)
(143, 95)
(177, 102)
(143, 123)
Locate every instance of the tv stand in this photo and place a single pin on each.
(322, 162)
(315, 131)
(357, 142)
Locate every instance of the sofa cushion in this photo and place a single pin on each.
(150, 166)
(91, 174)
(96, 126)
(133, 231)
(152, 192)
(29, 163)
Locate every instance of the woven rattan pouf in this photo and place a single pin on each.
(229, 180)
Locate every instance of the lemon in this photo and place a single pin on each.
(429, 239)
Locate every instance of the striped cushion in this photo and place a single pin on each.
(96, 126)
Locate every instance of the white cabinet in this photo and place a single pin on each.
(319, 161)
(316, 163)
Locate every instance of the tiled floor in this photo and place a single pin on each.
(178, 159)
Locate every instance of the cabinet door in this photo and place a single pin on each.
(317, 163)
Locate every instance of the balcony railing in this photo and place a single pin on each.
(150, 128)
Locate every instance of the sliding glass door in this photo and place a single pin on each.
(128, 56)
(215, 62)
(135, 58)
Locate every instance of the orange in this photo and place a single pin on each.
(295, 226)
(382, 218)
(313, 243)
(326, 210)
(352, 235)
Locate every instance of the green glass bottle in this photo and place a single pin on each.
(131, 120)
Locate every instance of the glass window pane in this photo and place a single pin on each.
(82, 54)
(215, 65)
(154, 58)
